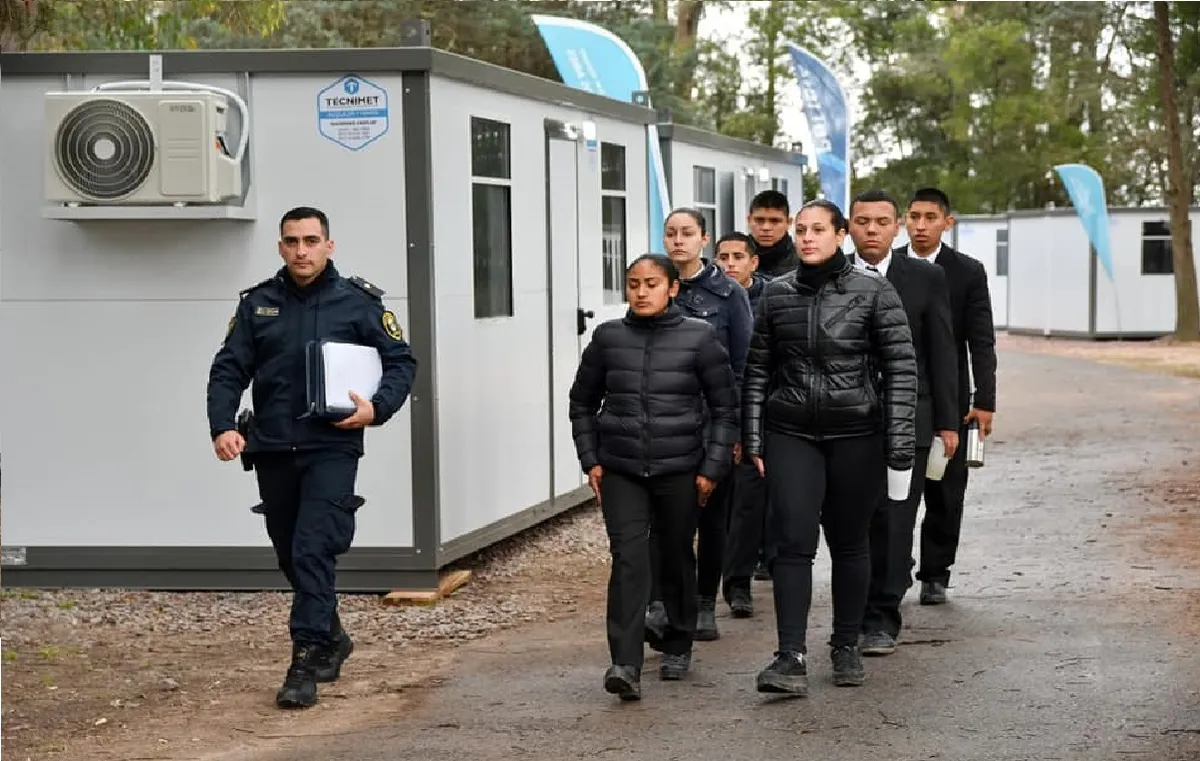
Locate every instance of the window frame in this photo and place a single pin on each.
(1158, 243)
(613, 266)
(707, 208)
(503, 179)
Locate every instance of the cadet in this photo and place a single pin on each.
(306, 465)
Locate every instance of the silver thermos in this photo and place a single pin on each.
(974, 445)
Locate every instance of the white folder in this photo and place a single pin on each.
(335, 369)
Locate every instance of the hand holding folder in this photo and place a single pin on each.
(337, 373)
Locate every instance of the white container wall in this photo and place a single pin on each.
(985, 238)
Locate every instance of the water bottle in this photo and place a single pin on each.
(974, 445)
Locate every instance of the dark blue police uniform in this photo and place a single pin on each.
(306, 468)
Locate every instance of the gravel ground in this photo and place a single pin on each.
(105, 673)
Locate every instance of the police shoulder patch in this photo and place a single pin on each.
(370, 288)
(392, 325)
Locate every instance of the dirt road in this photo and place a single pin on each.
(1067, 636)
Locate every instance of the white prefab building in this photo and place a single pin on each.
(985, 238)
(497, 210)
(1056, 286)
(719, 175)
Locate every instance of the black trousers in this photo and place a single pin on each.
(747, 526)
(630, 506)
(892, 528)
(833, 485)
(712, 529)
(309, 505)
(942, 526)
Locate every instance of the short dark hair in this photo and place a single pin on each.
(751, 246)
(932, 195)
(305, 212)
(770, 199)
(660, 261)
(694, 214)
(874, 195)
(835, 214)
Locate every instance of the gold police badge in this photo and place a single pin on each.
(392, 326)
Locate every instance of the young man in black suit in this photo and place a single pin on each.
(874, 224)
(927, 219)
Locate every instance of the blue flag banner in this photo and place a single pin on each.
(828, 116)
(591, 58)
(1086, 190)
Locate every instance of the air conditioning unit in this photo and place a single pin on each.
(145, 148)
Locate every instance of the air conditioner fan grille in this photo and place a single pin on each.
(104, 149)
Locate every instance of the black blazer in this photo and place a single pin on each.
(926, 298)
(974, 330)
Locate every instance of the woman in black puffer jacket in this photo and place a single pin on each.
(638, 416)
(829, 400)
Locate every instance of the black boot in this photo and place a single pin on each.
(656, 625)
(847, 666)
(299, 688)
(706, 620)
(741, 604)
(623, 681)
(327, 661)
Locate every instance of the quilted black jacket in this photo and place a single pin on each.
(638, 404)
(831, 362)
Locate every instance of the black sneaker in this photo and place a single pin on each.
(624, 682)
(327, 661)
(706, 620)
(877, 643)
(299, 688)
(656, 625)
(674, 666)
(787, 675)
(741, 604)
(847, 666)
(762, 573)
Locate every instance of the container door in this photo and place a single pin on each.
(568, 319)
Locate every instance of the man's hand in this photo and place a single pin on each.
(364, 414)
(985, 421)
(229, 445)
(594, 477)
(950, 442)
(737, 453)
(704, 489)
(758, 464)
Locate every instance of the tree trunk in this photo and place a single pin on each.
(687, 25)
(1187, 302)
(19, 22)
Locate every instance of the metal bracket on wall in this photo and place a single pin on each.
(416, 33)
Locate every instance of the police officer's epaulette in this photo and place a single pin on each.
(255, 287)
(373, 290)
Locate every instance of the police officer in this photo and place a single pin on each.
(306, 465)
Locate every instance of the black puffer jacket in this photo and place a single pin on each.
(638, 401)
(832, 357)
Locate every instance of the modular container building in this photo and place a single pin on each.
(496, 209)
(1057, 287)
(719, 175)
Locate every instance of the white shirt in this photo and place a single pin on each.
(932, 258)
(881, 268)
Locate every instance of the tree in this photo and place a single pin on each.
(142, 24)
(20, 21)
(1187, 302)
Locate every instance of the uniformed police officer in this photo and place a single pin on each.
(306, 465)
